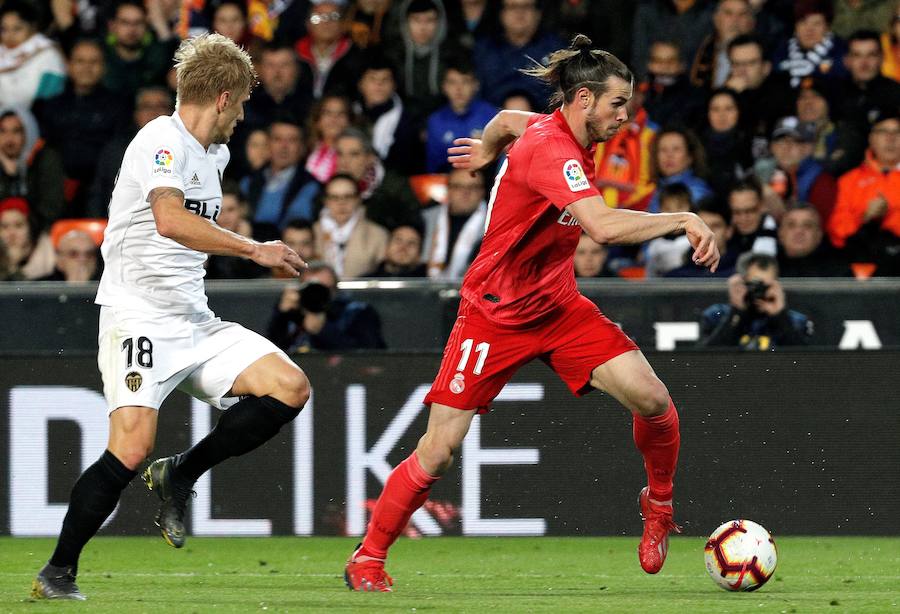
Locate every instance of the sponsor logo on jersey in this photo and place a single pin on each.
(575, 176)
(162, 162)
(133, 381)
(195, 180)
(567, 219)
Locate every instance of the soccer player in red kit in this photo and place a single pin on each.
(520, 300)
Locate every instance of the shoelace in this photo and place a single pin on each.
(374, 574)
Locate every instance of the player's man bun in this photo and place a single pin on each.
(579, 66)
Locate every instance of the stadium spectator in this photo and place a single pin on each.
(281, 91)
(518, 100)
(686, 21)
(345, 239)
(478, 19)
(328, 59)
(234, 215)
(73, 20)
(420, 55)
(890, 46)
(814, 109)
(718, 220)
(591, 258)
(329, 117)
(792, 175)
(367, 22)
(763, 95)
(80, 121)
(177, 19)
(386, 194)
(282, 190)
(710, 66)
(756, 317)
(752, 229)
(76, 259)
(464, 115)
(402, 258)
(394, 133)
(664, 254)
(150, 103)
(853, 15)
(300, 237)
(229, 19)
(725, 142)
(29, 254)
(668, 93)
(499, 57)
(315, 316)
(678, 157)
(609, 21)
(622, 165)
(802, 251)
(29, 168)
(813, 49)
(866, 218)
(134, 57)
(257, 151)
(453, 231)
(31, 66)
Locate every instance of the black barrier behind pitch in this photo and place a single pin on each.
(804, 443)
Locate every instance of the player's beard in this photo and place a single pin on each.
(597, 133)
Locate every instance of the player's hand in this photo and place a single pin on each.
(290, 300)
(468, 154)
(737, 292)
(703, 240)
(277, 255)
(773, 302)
(876, 209)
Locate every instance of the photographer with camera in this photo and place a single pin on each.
(315, 316)
(756, 316)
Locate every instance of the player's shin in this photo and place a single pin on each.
(658, 439)
(93, 499)
(405, 491)
(242, 428)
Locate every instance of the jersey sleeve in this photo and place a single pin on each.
(161, 163)
(557, 173)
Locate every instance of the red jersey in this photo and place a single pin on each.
(524, 268)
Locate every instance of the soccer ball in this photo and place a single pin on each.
(740, 556)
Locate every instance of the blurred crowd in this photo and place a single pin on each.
(777, 121)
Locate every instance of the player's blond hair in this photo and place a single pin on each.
(210, 64)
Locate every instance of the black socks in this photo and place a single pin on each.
(244, 427)
(93, 499)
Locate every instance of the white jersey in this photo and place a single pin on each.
(144, 270)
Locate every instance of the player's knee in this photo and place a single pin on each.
(293, 388)
(133, 456)
(654, 399)
(435, 456)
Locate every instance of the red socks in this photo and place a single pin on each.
(405, 491)
(658, 439)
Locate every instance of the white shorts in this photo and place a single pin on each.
(144, 357)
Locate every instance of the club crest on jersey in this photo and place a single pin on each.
(133, 381)
(575, 176)
(162, 162)
(458, 383)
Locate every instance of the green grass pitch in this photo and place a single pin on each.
(284, 574)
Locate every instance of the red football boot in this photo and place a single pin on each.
(657, 524)
(366, 573)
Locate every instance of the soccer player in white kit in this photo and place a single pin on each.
(156, 331)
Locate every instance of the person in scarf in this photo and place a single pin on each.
(328, 118)
(814, 49)
(453, 231)
(710, 68)
(31, 67)
(345, 239)
(328, 58)
(725, 141)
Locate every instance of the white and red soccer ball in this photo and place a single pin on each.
(740, 556)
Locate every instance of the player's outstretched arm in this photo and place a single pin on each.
(173, 221)
(605, 225)
(473, 154)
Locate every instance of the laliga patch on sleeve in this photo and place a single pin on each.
(575, 176)
(163, 161)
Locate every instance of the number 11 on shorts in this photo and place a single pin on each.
(466, 348)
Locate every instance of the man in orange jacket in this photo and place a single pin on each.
(866, 217)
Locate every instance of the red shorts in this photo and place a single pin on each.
(481, 356)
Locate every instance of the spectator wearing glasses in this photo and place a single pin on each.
(453, 231)
(752, 229)
(345, 239)
(76, 259)
(328, 58)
